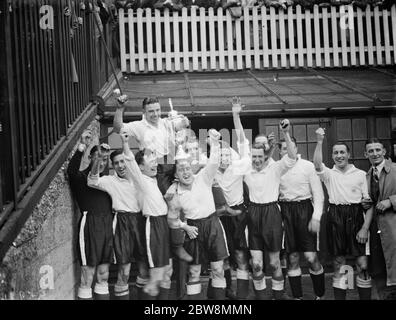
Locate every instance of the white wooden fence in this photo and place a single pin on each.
(204, 40)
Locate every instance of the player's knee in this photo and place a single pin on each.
(194, 273)
(294, 261)
(362, 264)
(257, 267)
(274, 264)
(103, 274)
(312, 258)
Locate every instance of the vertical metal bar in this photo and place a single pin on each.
(10, 154)
(40, 82)
(35, 123)
(24, 71)
(18, 97)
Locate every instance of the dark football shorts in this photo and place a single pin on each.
(343, 224)
(95, 240)
(157, 241)
(265, 227)
(296, 216)
(129, 237)
(210, 244)
(234, 227)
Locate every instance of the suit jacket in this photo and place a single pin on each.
(387, 220)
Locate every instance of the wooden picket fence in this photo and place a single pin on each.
(205, 40)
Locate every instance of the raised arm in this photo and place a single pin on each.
(214, 160)
(134, 172)
(291, 149)
(73, 169)
(93, 180)
(118, 120)
(318, 157)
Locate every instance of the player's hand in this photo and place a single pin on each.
(362, 236)
(314, 226)
(86, 138)
(191, 231)
(124, 136)
(122, 99)
(214, 136)
(383, 205)
(271, 139)
(320, 134)
(366, 203)
(236, 105)
(284, 125)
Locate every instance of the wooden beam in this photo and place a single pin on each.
(188, 88)
(343, 84)
(266, 87)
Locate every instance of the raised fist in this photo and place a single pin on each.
(320, 133)
(214, 135)
(86, 138)
(271, 139)
(124, 135)
(236, 105)
(122, 99)
(284, 125)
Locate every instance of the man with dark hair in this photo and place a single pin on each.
(264, 217)
(95, 242)
(301, 199)
(154, 133)
(381, 180)
(128, 223)
(347, 225)
(143, 169)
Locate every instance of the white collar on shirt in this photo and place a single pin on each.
(381, 166)
(351, 169)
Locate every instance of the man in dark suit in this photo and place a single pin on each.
(381, 180)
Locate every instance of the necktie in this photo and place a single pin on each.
(374, 185)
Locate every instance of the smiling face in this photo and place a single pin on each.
(192, 149)
(340, 156)
(184, 172)
(375, 152)
(283, 148)
(152, 113)
(258, 159)
(119, 165)
(149, 165)
(225, 158)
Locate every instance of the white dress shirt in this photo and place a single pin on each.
(124, 195)
(345, 187)
(197, 201)
(153, 203)
(148, 136)
(264, 185)
(231, 180)
(300, 183)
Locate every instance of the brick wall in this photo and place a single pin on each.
(42, 263)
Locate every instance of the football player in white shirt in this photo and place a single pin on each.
(155, 133)
(301, 199)
(264, 217)
(128, 223)
(206, 238)
(347, 225)
(143, 171)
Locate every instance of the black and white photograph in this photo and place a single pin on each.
(209, 153)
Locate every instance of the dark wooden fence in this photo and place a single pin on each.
(53, 62)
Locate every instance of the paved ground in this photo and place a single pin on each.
(307, 289)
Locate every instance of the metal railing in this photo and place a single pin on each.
(55, 63)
